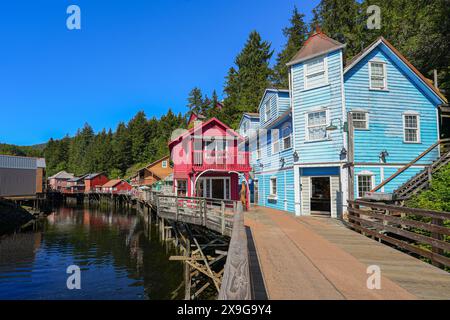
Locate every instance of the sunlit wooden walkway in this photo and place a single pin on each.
(320, 258)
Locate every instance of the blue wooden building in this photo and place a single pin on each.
(394, 111)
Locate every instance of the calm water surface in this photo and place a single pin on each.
(119, 255)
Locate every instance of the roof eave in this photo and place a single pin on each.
(318, 54)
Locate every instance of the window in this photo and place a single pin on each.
(377, 72)
(287, 138)
(182, 187)
(316, 125)
(364, 184)
(164, 164)
(273, 186)
(245, 127)
(360, 120)
(411, 130)
(316, 73)
(275, 141)
(267, 108)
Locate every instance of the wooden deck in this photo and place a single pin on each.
(320, 258)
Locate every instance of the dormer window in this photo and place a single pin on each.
(316, 73)
(267, 108)
(377, 73)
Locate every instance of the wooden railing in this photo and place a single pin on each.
(215, 214)
(236, 277)
(420, 232)
(225, 160)
(443, 143)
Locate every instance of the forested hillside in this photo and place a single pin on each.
(418, 29)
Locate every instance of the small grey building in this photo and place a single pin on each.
(18, 176)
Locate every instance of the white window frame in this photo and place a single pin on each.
(164, 164)
(245, 126)
(307, 127)
(415, 114)
(283, 137)
(273, 183)
(178, 185)
(267, 109)
(385, 81)
(366, 121)
(365, 174)
(275, 140)
(324, 71)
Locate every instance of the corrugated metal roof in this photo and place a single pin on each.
(13, 162)
(41, 163)
(62, 175)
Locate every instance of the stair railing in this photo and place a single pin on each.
(403, 169)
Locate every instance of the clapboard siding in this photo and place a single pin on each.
(328, 97)
(285, 189)
(386, 110)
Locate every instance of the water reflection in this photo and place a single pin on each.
(118, 259)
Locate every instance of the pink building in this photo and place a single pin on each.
(58, 182)
(209, 161)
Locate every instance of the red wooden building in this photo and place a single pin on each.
(116, 186)
(94, 181)
(209, 161)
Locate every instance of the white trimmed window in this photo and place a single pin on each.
(273, 186)
(164, 164)
(245, 127)
(275, 141)
(182, 187)
(411, 128)
(316, 124)
(360, 120)
(316, 73)
(287, 137)
(267, 110)
(365, 184)
(378, 78)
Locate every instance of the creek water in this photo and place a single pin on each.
(119, 255)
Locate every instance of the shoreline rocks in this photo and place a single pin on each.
(12, 216)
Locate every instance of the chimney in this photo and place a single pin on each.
(435, 78)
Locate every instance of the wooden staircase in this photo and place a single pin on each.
(421, 180)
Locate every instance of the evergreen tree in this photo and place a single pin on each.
(246, 84)
(341, 20)
(195, 101)
(296, 35)
(139, 134)
(121, 149)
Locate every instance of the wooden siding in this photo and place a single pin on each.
(385, 109)
(328, 97)
(285, 189)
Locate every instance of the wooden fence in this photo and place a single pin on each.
(420, 232)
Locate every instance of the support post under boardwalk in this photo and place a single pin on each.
(236, 278)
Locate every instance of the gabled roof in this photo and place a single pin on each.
(317, 44)
(381, 40)
(204, 124)
(251, 115)
(112, 183)
(271, 90)
(76, 179)
(62, 175)
(93, 175)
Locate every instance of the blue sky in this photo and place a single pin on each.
(128, 56)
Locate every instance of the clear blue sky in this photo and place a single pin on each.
(128, 56)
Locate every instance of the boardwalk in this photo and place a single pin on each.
(319, 258)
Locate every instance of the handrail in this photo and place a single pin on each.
(399, 171)
(236, 277)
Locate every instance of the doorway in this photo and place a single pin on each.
(216, 188)
(255, 191)
(320, 196)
